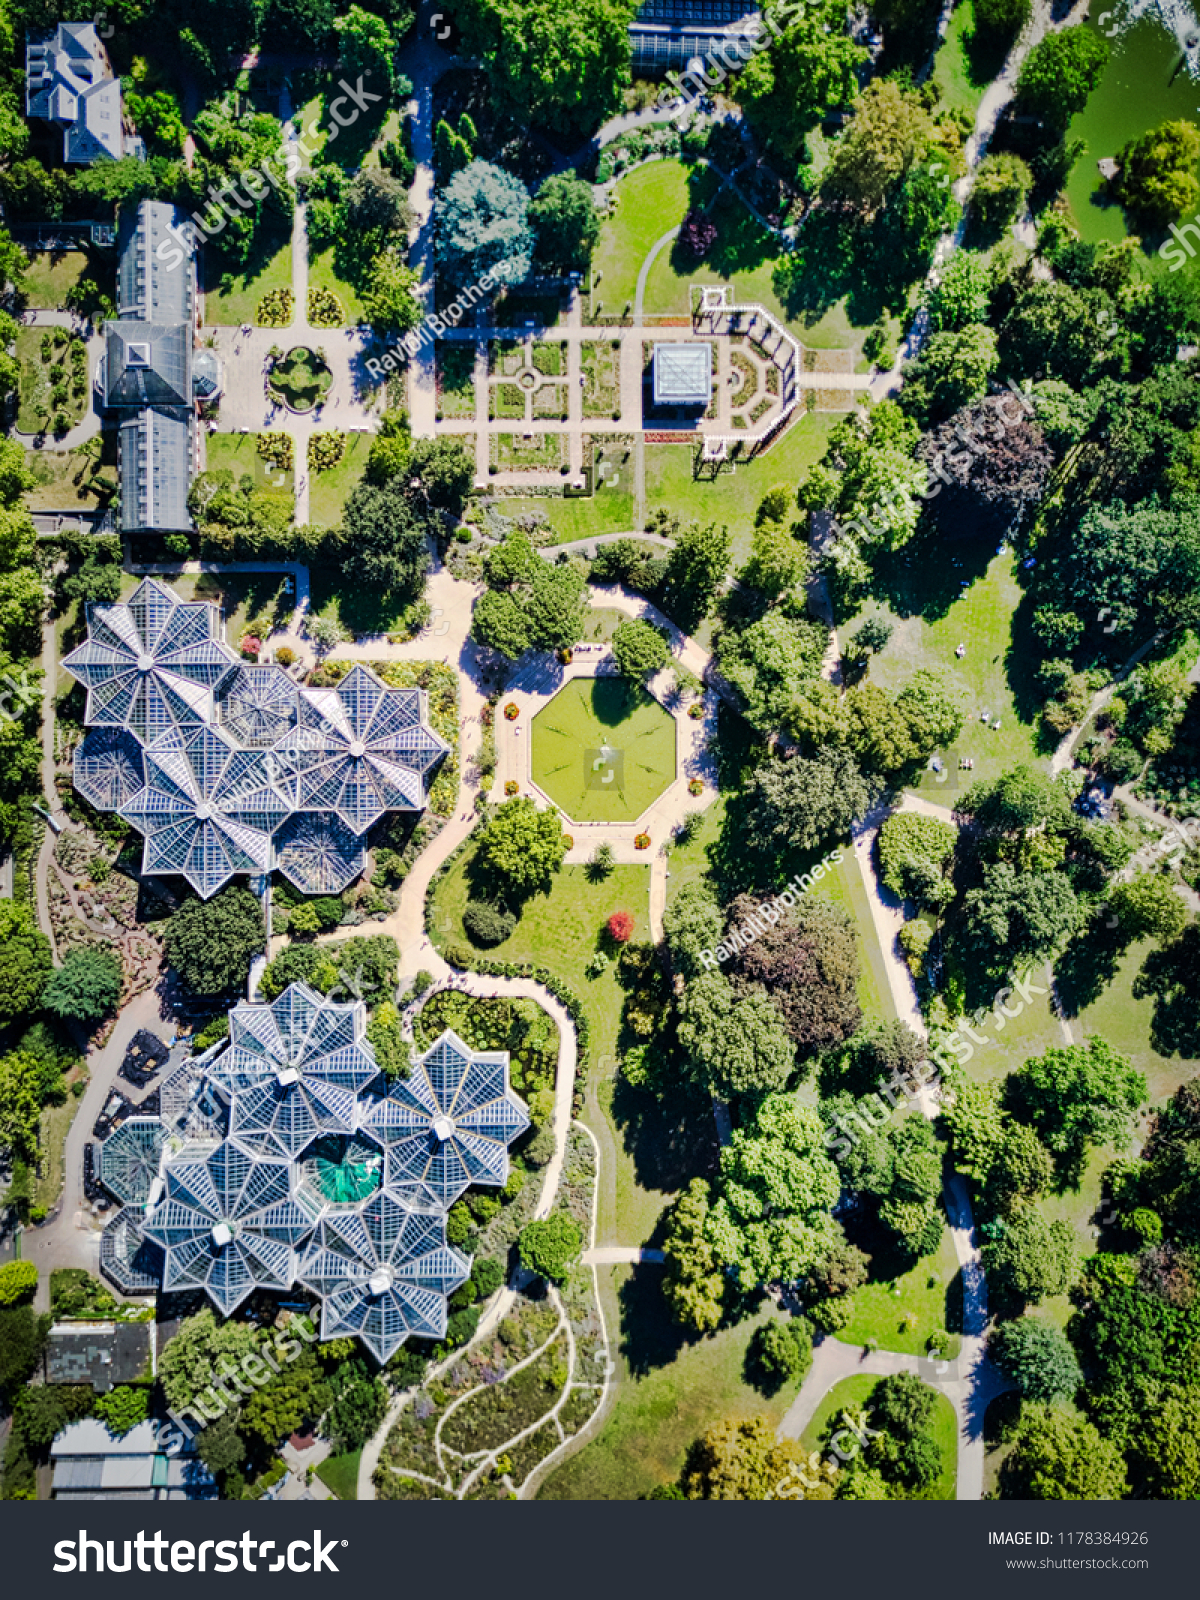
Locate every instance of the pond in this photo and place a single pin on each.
(1148, 82)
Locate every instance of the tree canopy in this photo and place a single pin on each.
(212, 943)
(86, 988)
(733, 1046)
(482, 227)
(25, 961)
(522, 846)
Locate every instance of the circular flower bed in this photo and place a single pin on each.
(512, 787)
(696, 786)
(300, 380)
(642, 842)
(512, 711)
(696, 711)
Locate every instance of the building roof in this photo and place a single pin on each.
(99, 1353)
(321, 1174)
(129, 1159)
(682, 374)
(109, 769)
(318, 853)
(90, 1463)
(150, 663)
(450, 1123)
(147, 364)
(155, 455)
(257, 706)
(127, 1257)
(155, 288)
(68, 81)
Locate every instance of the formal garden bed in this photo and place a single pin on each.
(538, 452)
(53, 384)
(456, 380)
(601, 368)
(300, 379)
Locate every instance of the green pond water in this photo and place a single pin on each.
(1140, 90)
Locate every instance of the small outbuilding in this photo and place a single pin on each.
(683, 374)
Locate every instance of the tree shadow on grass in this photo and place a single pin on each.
(1088, 965)
(650, 1337)
(268, 241)
(670, 1141)
(920, 579)
(1172, 977)
(1025, 654)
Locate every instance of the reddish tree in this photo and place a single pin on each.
(697, 235)
(620, 926)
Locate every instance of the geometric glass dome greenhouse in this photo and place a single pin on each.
(282, 1156)
(228, 768)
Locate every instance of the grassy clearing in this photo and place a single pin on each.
(957, 74)
(567, 738)
(40, 377)
(52, 1138)
(456, 380)
(49, 276)
(270, 267)
(340, 1473)
(931, 615)
(608, 510)
(322, 274)
(1115, 1015)
(329, 491)
(650, 201)
(733, 497)
(238, 453)
(65, 480)
(901, 1313)
(667, 1392)
(851, 1394)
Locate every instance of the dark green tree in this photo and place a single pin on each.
(212, 943)
(86, 988)
(1038, 1357)
(565, 223)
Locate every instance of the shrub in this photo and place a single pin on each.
(697, 235)
(251, 646)
(780, 1353)
(18, 1281)
(511, 711)
(275, 309)
(325, 310)
(422, 983)
(550, 1248)
(487, 924)
(285, 655)
(511, 787)
(642, 842)
(696, 786)
(1146, 1226)
(325, 450)
(620, 926)
(277, 450)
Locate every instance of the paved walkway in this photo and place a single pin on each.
(616, 1255)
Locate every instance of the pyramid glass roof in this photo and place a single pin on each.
(129, 1159)
(109, 769)
(383, 1272)
(450, 1124)
(228, 1223)
(207, 810)
(150, 663)
(316, 851)
(257, 706)
(363, 749)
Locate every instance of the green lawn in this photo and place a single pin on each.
(328, 491)
(1124, 1022)
(931, 1292)
(980, 617)
(957, 75)
(38, 377)
(609, 510)
(734, 495)
(852, 1394)
(603, 749)
(456, 380)
(239, 453)
(650, 201)
(65, 480)
(270, 267)
(340, 1473)
(322, 274)
(667, 1392)
(48, 278)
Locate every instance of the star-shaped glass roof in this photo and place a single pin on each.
(228, 1223)
(316, 851)
(257, 706)
(294, 1069)
(363, 749)
(109, 769)
(207, 809)
(450, 1124)
(383, 1273)
(150, 663)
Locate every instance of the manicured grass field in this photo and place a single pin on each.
(650, 201)
(269, 268)
(609, 510)
(668, 1391)
(340, 1473)
(733, 497)
(931, 1292)
(851, 1394)
(64, 480)
(328, 491)
(956, 72)
(48, 278)
(571, 738)
(322, 274)
(931, 616)
(239, 453)
(1115, 1015)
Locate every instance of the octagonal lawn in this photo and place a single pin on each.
(603, 750)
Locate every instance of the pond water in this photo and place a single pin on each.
(1153, 77)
